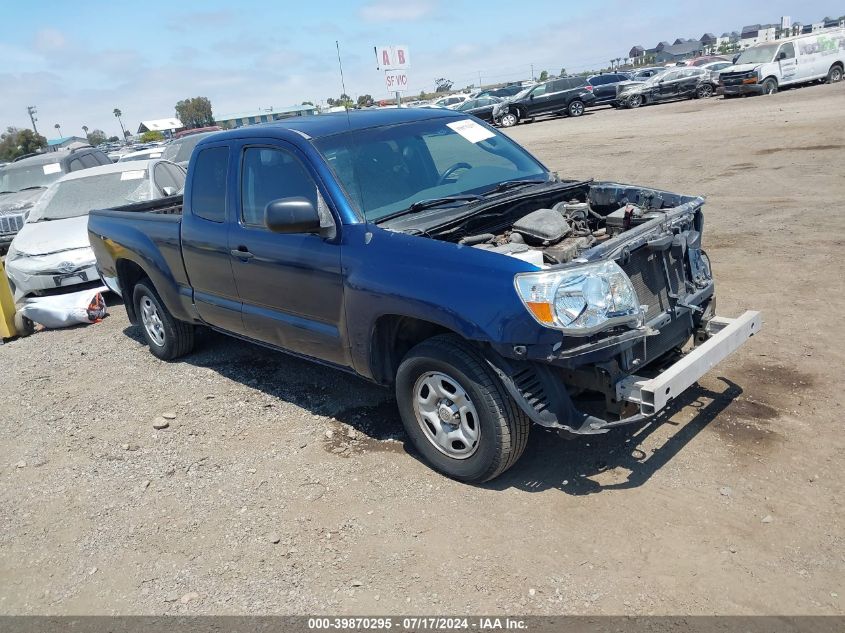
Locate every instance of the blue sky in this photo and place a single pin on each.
(77, 61)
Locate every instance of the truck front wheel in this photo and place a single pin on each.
(770, 86)
(456, 411)
(166, 337)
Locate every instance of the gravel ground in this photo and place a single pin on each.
(281, 487)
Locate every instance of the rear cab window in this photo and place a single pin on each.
(208, 185)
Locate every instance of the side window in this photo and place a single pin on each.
(88, 160)
(269, 174)
(75, 165)
(789, 49)
(539, 90)
(100, 157)
(166, 175)
(208, 188)
(601, 80)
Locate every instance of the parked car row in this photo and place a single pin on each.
(24, 181)
(44, 207)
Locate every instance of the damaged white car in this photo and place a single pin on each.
(51, 253)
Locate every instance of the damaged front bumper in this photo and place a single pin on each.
(726, 336)
(542, 393)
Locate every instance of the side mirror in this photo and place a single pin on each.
(781, 55)
(292, 215)
(531, 97)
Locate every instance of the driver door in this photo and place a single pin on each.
(538, 100)
(669, 86)
(290, 285)
(790, 72)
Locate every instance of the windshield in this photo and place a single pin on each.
(386, 169)
(654, 79)
(76, 197)
(758, 54)
(179, 151)
(17, 177)
(521, 94)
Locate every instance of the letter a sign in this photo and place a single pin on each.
(393, 57)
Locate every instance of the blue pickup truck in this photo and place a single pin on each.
(424, 250)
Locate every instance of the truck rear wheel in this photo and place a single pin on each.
(834, 75)
(456, 411)
(166, 337)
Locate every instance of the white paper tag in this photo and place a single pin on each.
(155, 155)
(135, 174)
(471, 131)
(52, 168)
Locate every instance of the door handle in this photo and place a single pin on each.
(242, 253)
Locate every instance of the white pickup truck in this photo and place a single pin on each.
(763, 68)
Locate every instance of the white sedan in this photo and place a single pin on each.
(52, 251)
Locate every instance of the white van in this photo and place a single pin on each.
(763, 68)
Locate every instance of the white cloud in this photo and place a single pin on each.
(49, 40)
(395, 11)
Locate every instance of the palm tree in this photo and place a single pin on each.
(117, 113)
(59, 128)
(85, 129)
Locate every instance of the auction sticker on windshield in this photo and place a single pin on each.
(471, 131)
(135, 174)
(52, 168)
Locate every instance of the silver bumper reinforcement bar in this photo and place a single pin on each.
(726, 336)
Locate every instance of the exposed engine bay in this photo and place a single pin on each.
(588, 215)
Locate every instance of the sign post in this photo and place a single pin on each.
(395, 61)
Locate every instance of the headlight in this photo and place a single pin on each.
(581, 300)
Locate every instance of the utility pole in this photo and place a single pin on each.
(480, 87)
(532, 72)
(32, 111)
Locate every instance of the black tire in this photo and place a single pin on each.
(23, 325)
(575, 108)
(173, 338)
(834, 75)
(704, 91)
(503, 427)
(770, 86)
(509, 119)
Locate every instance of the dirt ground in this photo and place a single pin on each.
(280, 487)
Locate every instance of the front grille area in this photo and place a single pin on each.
(735, 79)
(11, 224)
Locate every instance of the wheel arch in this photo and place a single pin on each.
(129, 273)
(393, 336)
(773, 78)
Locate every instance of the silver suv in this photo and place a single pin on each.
(25, 180)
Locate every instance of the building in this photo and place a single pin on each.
(757, 33)
(55, 144)
(168, 127)
(251, 117)
(678, 52)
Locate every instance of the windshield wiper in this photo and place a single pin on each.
(34, 187)
(510, 184)
(436, 202)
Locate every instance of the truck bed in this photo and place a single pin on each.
(163, 206)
